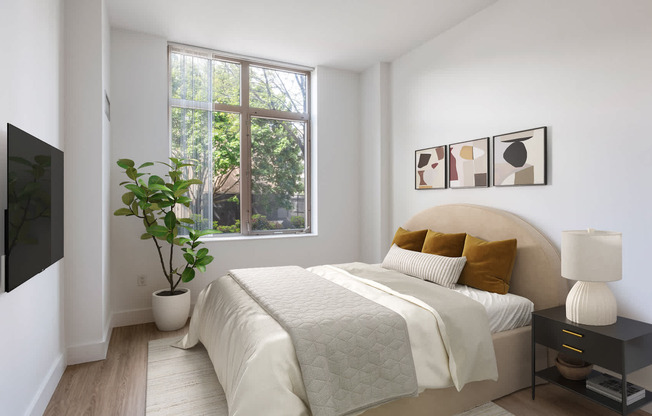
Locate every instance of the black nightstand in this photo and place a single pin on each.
(623, 347)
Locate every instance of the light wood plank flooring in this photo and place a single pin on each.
(117, 386)
(112, 387)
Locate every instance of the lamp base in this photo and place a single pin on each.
(591, 303)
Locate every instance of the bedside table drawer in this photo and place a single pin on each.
(580, 343)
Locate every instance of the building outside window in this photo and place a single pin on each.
(246, 125)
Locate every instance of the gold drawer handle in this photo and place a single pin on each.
(572, 348)
(572, 333)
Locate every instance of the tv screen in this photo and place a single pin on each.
(34, 215)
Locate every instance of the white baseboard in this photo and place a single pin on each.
(133, 317)
(47, 387)
(137, 316)
(94, 351)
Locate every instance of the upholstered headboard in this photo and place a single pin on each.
(537, 271)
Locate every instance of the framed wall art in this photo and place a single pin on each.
(430, 168)
(520, 158)
(468, 164)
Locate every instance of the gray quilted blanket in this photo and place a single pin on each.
(353, 353)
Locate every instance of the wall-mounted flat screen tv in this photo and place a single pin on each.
(34, 215)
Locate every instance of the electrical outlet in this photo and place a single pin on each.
(140, 280)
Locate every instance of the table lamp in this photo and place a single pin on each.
(592, 258)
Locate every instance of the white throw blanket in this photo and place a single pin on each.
(254, 357)
(354, 354)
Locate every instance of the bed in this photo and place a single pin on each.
(535, 276)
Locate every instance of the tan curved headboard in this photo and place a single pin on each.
(537, 271)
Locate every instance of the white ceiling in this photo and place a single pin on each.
(346, 34)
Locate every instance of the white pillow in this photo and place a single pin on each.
(444, 271)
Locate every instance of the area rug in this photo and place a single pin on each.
(183, 382)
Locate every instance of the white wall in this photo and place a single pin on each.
(86, 196)
(140, 132)
(106, 174)
(374, 162)
(580, 67)
(32, 352)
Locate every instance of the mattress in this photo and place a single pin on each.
(505, 312)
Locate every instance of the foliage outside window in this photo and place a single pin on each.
(247, 124)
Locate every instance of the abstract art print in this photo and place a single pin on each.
(430, 168)
(520, 158)
(468, 164)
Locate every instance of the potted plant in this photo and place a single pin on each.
(152, 199)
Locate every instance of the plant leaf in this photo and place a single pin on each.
(179, 184)
(145, 236)
(189, 258)
(179, 241)
(202, 253)
(123, 211)
(159, 187)
(187, 275)
(128, 198)
(157, 230)
(201, 268)
(170, 220)
(204, 261)
(180, 192)
(144, 205)
(186, 220)
(125, 163)
(202, 233)
(131, 173)
(154, 179)
(137, 190)
(146, 164)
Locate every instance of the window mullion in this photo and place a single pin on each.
(245, 153)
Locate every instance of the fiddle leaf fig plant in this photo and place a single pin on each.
(152, 199)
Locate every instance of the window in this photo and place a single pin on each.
(247, 126)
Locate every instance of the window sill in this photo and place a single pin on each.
(256, 237)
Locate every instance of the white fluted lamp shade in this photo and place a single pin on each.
(592, 258)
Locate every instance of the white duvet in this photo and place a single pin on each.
(256, 365)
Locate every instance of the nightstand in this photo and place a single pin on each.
(623, 347)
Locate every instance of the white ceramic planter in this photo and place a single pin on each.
(171, 312)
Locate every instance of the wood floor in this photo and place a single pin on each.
(112, 387)
(117, 386)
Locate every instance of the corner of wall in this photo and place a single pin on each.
(93, 351)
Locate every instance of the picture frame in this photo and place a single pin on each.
(468, 164)
(430, 168)
(520, 158)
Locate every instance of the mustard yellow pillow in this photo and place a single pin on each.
(449, 245)
(409, 240)
(489, 264)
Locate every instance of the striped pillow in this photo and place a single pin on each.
(444, 271)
